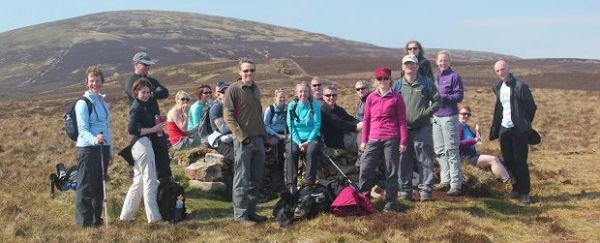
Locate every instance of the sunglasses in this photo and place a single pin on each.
(465, 114)
(330, 95)
(185, 99)
(361, 88)
(206, 93)
(249, 70)
(382, 78)
(413, 48)
(316, 85)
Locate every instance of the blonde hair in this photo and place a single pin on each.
(444, 52)
(245, 60)
(182, 94)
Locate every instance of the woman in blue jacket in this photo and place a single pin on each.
(94, 138)
(304, 121)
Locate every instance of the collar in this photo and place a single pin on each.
(388, 91)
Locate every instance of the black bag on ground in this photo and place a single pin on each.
(70, 118)
(308, 202)
(171, 200)
(64, 179)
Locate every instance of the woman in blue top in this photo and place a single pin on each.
(94, 138)
(276, 127)
(199, 108)
(304, 122)
(468, 138)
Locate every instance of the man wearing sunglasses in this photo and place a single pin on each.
(315, 87)
(141, 65)
(242, 112)
(422, 101)
(337, 126)
(513, 115)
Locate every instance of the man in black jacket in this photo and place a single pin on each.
(338, 128)
(141, 65)
(513, 115)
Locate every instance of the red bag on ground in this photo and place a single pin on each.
(351, 202)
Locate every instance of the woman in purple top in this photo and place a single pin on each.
(468, 138)
(384, 134)
(445, 122)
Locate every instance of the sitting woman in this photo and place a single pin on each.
(199, 109)
(304, 121)
(145, 133)
(177, 124)
(468, 138)
(275, 125)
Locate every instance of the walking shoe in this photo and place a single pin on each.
(425, 197)
(257, 218)
(246, 221)
(376, 192)
(524, 199)
(441, 187)
(513, 194)
(391, 207)
(405, 195)
(453, 192)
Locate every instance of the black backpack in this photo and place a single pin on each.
(170, 209)
(70, 118)
(63, 179)
(306, 203)
(205, 128)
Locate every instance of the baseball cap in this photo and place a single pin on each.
(410, 58)
(143, 58)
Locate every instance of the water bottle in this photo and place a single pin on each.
(478, 133)
(157, 120)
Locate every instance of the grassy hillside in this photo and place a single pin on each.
(565, 187)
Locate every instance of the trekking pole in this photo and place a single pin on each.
(104, 183)
(338, 168)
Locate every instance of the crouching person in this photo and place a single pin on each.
(304, 121)
(145, 133)
(339, 128)
(276, 128)
(384, 134)
(93, 143)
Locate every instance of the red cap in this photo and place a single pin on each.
(383, 72)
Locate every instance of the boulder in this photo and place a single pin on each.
(204, 171)
(219, 187)
(215, 158)
(188, 156)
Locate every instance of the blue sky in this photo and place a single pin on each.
(528, 29)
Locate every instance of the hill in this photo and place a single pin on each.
(55, 54)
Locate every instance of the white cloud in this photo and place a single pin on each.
(534, 21)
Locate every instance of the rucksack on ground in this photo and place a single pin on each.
(70, 118)
(64, 179)
(171, 200)
(308, 202)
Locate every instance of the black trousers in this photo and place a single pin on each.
(312, 157)
(278, 181)
(89, 195)
(514, 152)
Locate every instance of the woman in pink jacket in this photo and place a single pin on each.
(384, 134)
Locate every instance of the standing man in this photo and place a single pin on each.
(315, 87)
(338, 128)
(422, 100)
(141, 66)
(362, 91)
(243, 115)
(513, 115)
(445, 125)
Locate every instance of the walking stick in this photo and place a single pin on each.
(104, 183)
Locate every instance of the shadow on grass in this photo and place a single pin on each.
(564, 197)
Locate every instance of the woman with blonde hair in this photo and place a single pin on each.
(177, 123)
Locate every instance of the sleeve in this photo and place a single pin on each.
(342, 121)
(229, 116)
(83, 123)
(128, 87)
(133, 127)
(266, 119)
(401, 116)
(457, 93)
(529, 103)
(160, 92)
(194, 116)
(314, 133)
(366, 129)
(464, 143)
(435, 99)
(289, 121)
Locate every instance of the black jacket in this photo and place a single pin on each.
(159, 92)
(140, 117)
(334, 123)
(522, 108)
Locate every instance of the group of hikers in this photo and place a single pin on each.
(400, 126)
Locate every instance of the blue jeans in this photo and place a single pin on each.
(419, 149)
(445, 142)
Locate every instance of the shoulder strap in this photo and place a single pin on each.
(272, 109)
(89, 104)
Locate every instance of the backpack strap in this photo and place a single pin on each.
(272, 109)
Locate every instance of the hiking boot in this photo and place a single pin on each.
(513, 194)
(441, 187)
(257, 218)
(525, 199)
(405, 195)
(453, 192)
(246, 221)
(425, 197)
(391, 207)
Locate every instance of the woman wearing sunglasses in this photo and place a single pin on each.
(415, 48)
(468, 138)
(177, 123)
(199, 108)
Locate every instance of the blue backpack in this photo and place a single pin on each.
(70, 118)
